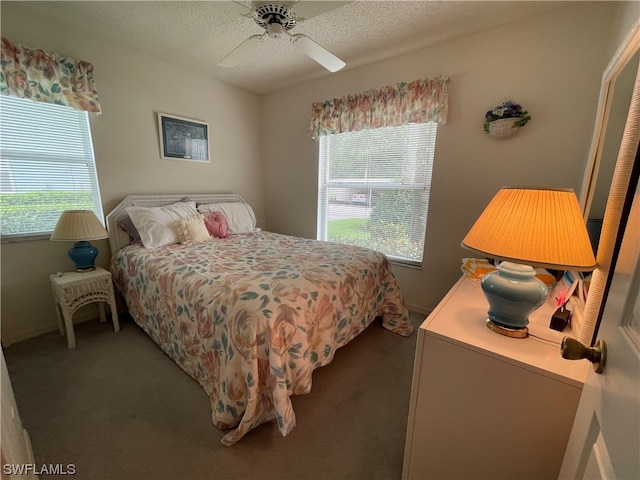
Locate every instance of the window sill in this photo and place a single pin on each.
(405, 263)
(25, 238)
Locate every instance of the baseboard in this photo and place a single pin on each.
(78, 318)
(26, 335)
(7, 342)
(418, 309)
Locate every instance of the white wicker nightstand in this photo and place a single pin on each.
(72, 290)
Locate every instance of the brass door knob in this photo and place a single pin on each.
(572, 349)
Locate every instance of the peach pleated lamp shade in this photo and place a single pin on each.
(75, 225)
(541, 227)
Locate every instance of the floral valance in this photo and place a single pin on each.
(49, 77)
(415, 102)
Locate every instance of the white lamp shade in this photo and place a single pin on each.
(77, 225)
(536, 226)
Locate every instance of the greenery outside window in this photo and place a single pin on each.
(46, 166)
(374, 189)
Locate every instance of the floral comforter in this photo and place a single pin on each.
(251, 316)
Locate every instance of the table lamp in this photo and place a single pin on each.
(525, 228)
(80, 226)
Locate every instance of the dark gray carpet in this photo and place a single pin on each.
(118, 408)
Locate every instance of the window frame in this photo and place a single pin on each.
(58, 157)
(324, 184)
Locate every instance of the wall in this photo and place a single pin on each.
(551, 64)
(132, 87)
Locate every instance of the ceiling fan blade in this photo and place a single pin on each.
(241, 51)
(320, 54)
(305, 10)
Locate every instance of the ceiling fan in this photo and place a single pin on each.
(277, 18)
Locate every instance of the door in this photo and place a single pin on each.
(15, 448)
(605, 439)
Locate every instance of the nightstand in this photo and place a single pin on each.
(484, 405)
(72, 290)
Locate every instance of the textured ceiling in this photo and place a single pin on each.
(196, 35)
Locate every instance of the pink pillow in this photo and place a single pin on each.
(216, 224)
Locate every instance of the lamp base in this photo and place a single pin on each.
(513, 292)
(509, 332)
(84, 270)
(83, 255)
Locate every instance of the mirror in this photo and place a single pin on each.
(611, 158)
(602, 175)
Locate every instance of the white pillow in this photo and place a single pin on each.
(240, 216)
(157, 225)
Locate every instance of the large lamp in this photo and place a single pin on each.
(80, 226)
(526, 228)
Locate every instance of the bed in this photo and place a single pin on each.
(250, 316)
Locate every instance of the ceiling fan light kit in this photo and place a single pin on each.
(276, 20)
(275, 30)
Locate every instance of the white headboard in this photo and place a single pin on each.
(118, 238)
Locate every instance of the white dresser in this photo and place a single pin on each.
(484, 405)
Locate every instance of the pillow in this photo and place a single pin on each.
(156, 225)
(216, 224)
(192, 230)
(240, 216)
(127, 225)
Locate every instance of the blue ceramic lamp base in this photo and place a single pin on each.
(513, 292)
(83, 255)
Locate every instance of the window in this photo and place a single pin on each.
(374, 189)
(46, 166)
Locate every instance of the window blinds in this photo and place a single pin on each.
(46, 166)
(374, 188)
